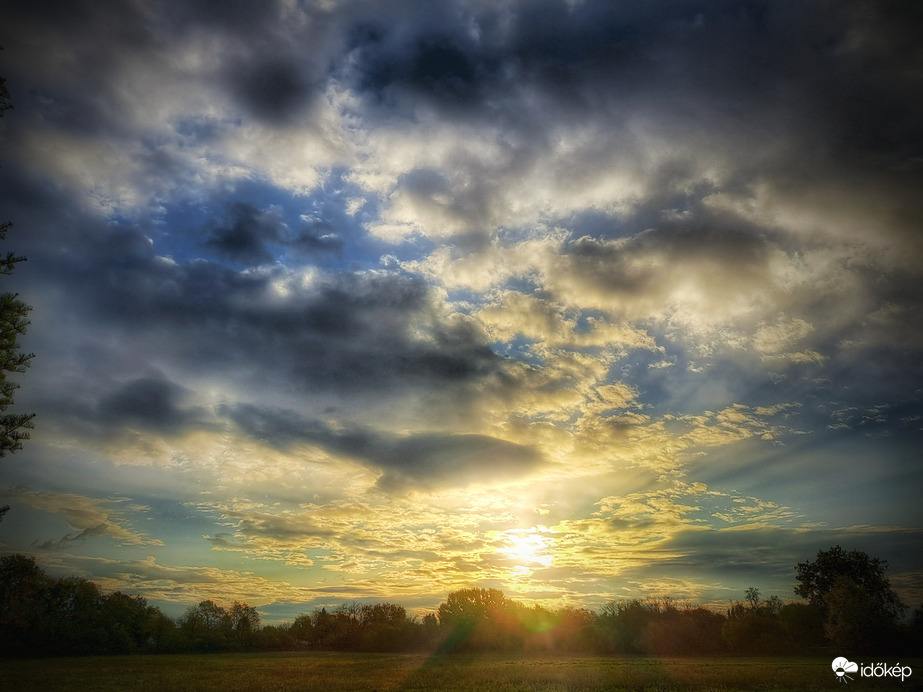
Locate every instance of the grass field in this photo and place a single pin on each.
(336, 672)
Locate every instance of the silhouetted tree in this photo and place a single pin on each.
(302, 629)
(383, 627)
(205, 626)
(803, 624)
(13, 322)
(346, 625)
(77, 625)
(162, 633)
(323, 632)
(817, 579)
(5, 102)
(475, 618)
(128, 621)
(573, 629)
(622, 623)
(854, 621)
(755, 626)
(680, 630)
(274, 638)
(42, 615)
(24, 591)
(244, 623)
(853, 592)
(427, 633)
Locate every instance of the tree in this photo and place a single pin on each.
(5, 103)
(128, 618)
(76, 624)
(853, 592)
(322, 632)
(13, 323)
(803, 624)
(468, 607)
(477, 619)
(245, 622)
(24, 591)
(383, 627)
(206, 625)
(818, 579)
(302, 630)
(47, 616)
(755, 626)
(853, 623)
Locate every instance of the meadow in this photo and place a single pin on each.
(341, 672)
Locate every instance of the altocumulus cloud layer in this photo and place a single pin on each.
(582, 300)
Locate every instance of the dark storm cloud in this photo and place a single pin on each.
(442, 67)
(251, 235)
(90, 104)
(238, 16)
(270, 81)
(275, 90)
(759, 83)
(461, 54)
(247, 234)
(645, 260)
(740, 76)
(318, 237)
(98, 405)
(838, 74)
(337, 332)
(406, 462)
(346, 331)
(153, 403)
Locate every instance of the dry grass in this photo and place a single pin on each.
(340, 672)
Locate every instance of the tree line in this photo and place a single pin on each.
(848, 606)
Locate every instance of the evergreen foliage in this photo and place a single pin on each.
(13, 322)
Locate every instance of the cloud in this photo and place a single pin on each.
(409, 462)
(719, 275)
(67, 539)
(273, 89)
(151, 402)
(246, 234)
(88, 516)
(440, 458)
(414, 272)
(175, 585)
(336, 334)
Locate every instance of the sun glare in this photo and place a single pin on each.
(528, 548)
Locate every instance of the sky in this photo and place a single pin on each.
(342, 301)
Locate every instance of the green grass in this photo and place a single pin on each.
(336, 672)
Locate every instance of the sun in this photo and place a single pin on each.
(528, 548)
